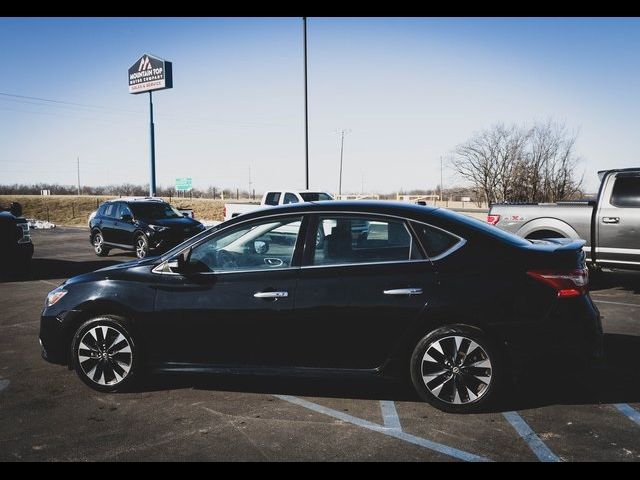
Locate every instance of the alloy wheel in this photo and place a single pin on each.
(98, 243)
(104, 355)
(456, 370)
(141, 247)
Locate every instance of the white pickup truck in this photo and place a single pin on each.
(274, 198)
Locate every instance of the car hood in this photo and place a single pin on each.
(174, 222)
(112, 271)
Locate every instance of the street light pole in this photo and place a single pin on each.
(341, 151)
(306, 107)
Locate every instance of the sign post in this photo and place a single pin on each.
(150, 73)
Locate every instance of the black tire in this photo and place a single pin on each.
(457, 387)
(104, 367)
(98, 245)
(141, 246)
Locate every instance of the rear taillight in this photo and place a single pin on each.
(493, 219)
(568, 283)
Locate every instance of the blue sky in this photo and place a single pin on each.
(409, 90)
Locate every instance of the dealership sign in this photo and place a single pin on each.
(150, 73)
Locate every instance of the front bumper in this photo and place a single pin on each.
(55, 336)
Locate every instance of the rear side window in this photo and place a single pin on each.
(289, 198)
(626, 191)
(350, 240)
(272, 198)
(110, 210)
(435, 241)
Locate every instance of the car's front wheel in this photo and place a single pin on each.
(104, 354)
(457, 369)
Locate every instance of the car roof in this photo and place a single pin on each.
(381, 207)
(136, 199)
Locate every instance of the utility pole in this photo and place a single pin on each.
(250, 182)
(342, 133)
(306, 107)
(440, 178)
(78, 165)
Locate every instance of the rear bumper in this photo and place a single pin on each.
(569, 339)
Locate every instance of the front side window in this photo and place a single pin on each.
(626, 191)
(347, 240)
(259, 245)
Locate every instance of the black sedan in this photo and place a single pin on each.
(452, 303)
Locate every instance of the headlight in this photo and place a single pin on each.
(158, 228)
(55, 296)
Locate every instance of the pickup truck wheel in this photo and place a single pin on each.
(98, 245)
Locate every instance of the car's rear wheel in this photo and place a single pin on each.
(98, 245)
(104, 354)
(457, 369)
(142, 246)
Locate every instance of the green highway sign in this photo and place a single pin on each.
(183, 184)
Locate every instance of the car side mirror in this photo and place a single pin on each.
(261, 247)
(125, 217)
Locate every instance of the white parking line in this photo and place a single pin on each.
(422, 442)
(631, 413)
(390, 415)
(538, 447)
(617, 303)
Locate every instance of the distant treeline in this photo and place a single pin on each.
(124, 189)
(131, 190)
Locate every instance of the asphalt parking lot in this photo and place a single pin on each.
(47, 413)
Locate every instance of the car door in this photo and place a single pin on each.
(357, 295)
(124, 228)
(106, 223)
(233, 310)
(618, 221)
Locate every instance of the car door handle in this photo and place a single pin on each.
(404, 291)
(610, 219)
(270, 295)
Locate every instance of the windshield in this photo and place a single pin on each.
(315, 196)
(154, 211)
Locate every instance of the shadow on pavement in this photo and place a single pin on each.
(48, 268)
(625, 280)
(616, 382)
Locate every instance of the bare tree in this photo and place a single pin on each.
(520, 164)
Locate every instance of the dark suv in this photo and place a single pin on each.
(139, 225)
(16, 248)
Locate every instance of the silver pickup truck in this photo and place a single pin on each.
(610, 224)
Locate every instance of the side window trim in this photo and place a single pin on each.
(310, 247)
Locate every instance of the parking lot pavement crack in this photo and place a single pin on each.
(233, 424)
